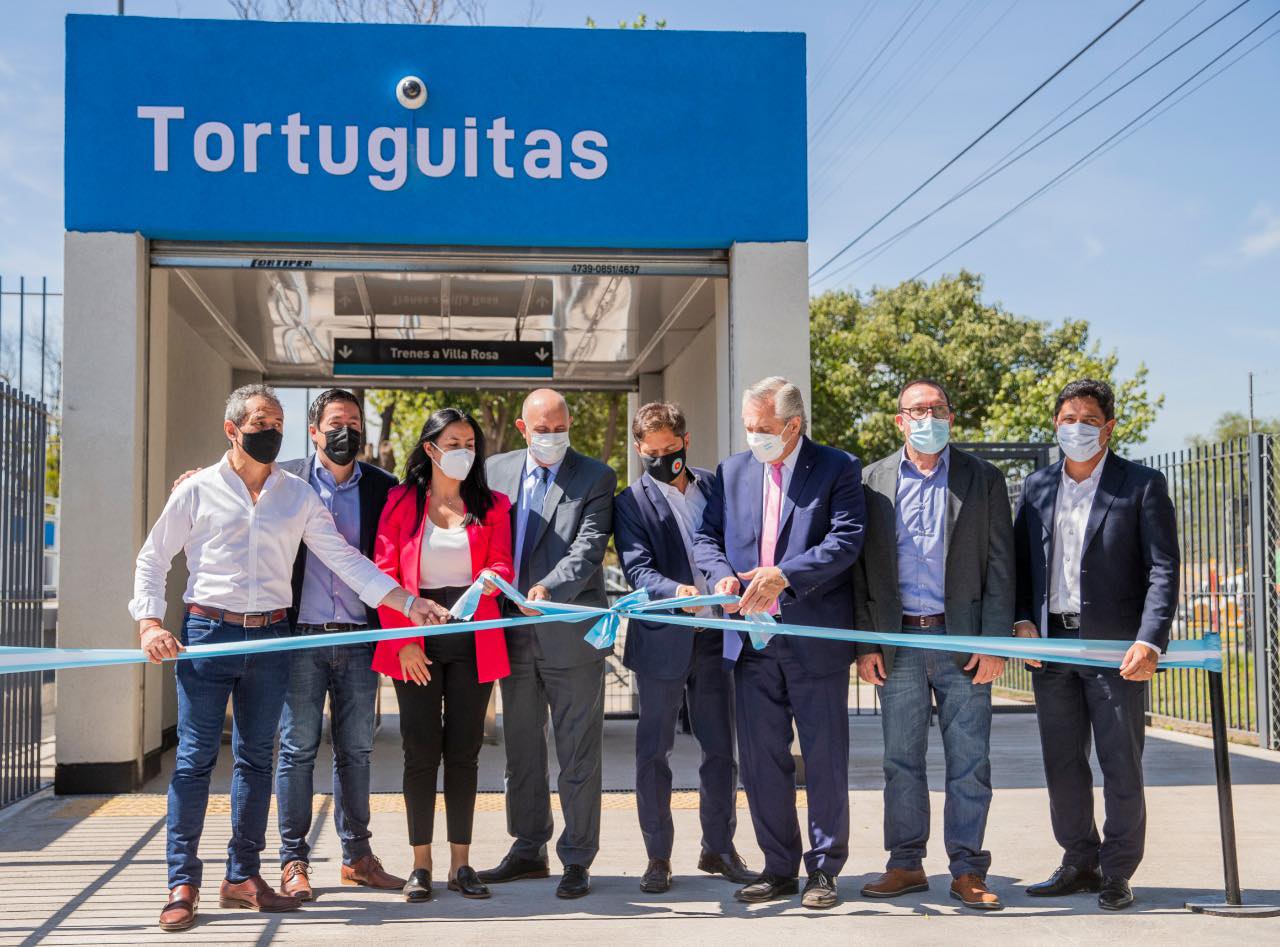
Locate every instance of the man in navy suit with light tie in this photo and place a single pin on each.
(654, 522)
(787, 519)
(1096, 540)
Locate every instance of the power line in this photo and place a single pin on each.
(998, 167)
(854, 166)
(826, 122)
(910, 74)
(1084, 159)
(967, 148)
(841, 44)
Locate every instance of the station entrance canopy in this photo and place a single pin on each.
(303, 199)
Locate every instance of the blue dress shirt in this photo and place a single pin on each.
(325, 597)
(527, 485)
(921, 516)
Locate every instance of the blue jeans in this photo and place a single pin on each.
(345, 675)
(256, 685)
(964, 719)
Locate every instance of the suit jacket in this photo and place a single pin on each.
(819, 539)
(567, 555)
(399, 555)
(979, 581)
(654, 558)
(375, 483)
(1129, 570)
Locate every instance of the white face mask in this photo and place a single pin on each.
(766, 448)
(549, 449)
(456, 463)
(1079, 441)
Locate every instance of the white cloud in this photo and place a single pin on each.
(1266, 239)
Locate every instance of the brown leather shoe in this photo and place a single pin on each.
(895, 882)
(972, 892)
(295, 880)
(367, 871)
(256, 895)
(180, 913)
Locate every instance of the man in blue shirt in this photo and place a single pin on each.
(938, 560)
(355, 493)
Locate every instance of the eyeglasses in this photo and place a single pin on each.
(920, 412)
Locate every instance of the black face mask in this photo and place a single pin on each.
(342, 445)
(262, 446)
(664, 469)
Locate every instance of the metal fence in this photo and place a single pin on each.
(1228, 507)
(23, 429)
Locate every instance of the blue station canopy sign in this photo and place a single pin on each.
(226, 130)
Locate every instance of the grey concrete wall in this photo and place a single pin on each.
(768, 321)
(690, 381)
(104, 467)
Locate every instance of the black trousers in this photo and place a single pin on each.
(1077, 706)
(443, 720)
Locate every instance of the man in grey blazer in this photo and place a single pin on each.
(938, 560)
(561, 517)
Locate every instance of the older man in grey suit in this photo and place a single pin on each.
(938, 560)
(562, 514)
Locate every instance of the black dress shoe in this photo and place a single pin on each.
(730, 865)
(767, 887)
(657, 877)
(468, 884)
(418, 887)
(1067, 880)
(575, 882)
(820, 891)
(1116, 894)
(514, 868)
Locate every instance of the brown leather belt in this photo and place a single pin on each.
(923, 621)
(250, 620)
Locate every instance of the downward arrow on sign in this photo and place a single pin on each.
(345, 351)
(542, 354)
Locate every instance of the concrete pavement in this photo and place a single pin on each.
(90, 870)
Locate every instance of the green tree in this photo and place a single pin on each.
(1231, 426)
(599, 419)
(1002, 370)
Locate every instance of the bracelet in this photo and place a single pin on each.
(408, 605)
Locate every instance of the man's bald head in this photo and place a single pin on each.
(544, 412)
(543, 402)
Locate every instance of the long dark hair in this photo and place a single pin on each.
(475, 488)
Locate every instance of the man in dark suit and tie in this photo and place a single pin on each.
(1097, 557)
(786, 518)
(654, 521)
(938, 560)
(562, 515)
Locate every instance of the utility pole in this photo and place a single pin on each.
(119, 7)
(1250, 402)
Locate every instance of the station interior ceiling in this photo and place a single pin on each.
(606, 328)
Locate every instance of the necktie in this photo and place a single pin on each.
(532, 522)
(768, 549)
(772, 515)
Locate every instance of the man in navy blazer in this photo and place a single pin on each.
(654, 522)
(787, 519)
(1096, 542)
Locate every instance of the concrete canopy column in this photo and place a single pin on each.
(767, 327)
(100, 739)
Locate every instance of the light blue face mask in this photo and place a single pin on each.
(928, 435)
(1079, 441)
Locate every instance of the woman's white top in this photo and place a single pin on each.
(446, 557)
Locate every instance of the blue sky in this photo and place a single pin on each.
(1169, 244)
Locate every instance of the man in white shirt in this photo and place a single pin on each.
(654, 522)
(1096, 542)
(239, 522)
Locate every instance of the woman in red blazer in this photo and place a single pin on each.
(440, 529)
